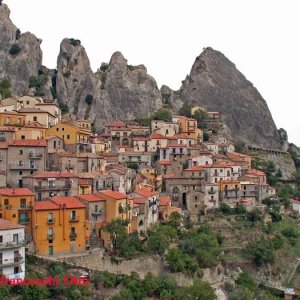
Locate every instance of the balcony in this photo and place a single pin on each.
(49, 222)
(11, 245)
(124, 208)
(12, 262)
(24, 221)
(74, 219)
(211, 192)
(2, 138)
(54, 187)
(50, 236)
(73, 236)
(35, 156)
(97, 213)
(22, 167)
(25, 207)
(232, 190)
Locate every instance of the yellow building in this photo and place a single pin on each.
(71, 134)
(12, 119)
(60, 226)
(118, 205)
(31, 131)
(16, 206)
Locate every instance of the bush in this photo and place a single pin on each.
(199, 290)
(14, 49)
(64, 108)
(185, 110)
(240, 209)
(226, 209)
(163, 114)
(5, 88)
(89, 99)
(262, 251)
(74, 42)
(290, 232)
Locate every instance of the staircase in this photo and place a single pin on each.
(95, 242)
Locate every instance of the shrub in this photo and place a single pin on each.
(290, 232)
(262, 251)
(104, 67)
(163, 114)
(64, 108)
(89, 99)
(5, 88)
(226, 209)
(74, 42)
(14, 49)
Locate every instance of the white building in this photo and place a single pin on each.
(12, 250)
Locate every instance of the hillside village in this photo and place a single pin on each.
(64, 183)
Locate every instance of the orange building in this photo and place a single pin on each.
(60, 226)
(118, 205)
(12, 119)
(16, 206)
(166, 208)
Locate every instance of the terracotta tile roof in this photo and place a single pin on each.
(29, 143)
(16, 192)
(164, 162)
(54, 175)
(113, 194)
(169, 176)
(139, 200)
(255, 172)
(70, 202)
(218, 165)
(136, 205)
(165, 200)
(91, 198)
(157, 136)
(83, 182)
(45, 205)
(3, 145)
(195, 168)
(35, 124)
(295, 201)
(5, 225)
(141, 139)
(33, 110)
(145, 192)
(177, 146)
(116, 124)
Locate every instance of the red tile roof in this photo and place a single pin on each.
(165, 200)
(5, 225)
(169, 176)
(29, 143)
(16, 192)
(177, 146)
(45, 205)
(116, 124)
(164, 162)
(195, 168)
(145, 192)
(114, 194)
(141, 139)
(70, 202)
(255, 172)
(139, 200)
(54, 175)
(91, 198)
(157, 136)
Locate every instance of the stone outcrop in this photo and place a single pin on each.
(115, 91)
(26, 62)
(216, 84)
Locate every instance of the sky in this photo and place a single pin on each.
(260, 37)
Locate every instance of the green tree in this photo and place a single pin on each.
(205, 137)
(240, 209)
(135, 285)
(185, 110)
(117, 230)
(5, 292)
(175, 219)
(125, 294)
(199, 290)
(262, 251)
(254, 216)
(160, 238)
(5, 88)
(34, 292)
(226, 209)
(89, 99)
(163, 114)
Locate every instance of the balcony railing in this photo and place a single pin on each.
(73, 236)
(66, 186)
(35, 156)
(211, 192)
(26, 207)
(125, 208)
(24, 220)
(12, 262)
(22, 167)
(10, 245)
(97, 213)
(232, 190)
(74, 219)
(2, 138)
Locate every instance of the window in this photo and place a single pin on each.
(73, 232)
(68, 137)
(27, 102)
(50, 217)
(1, 238)
(22, 137)
(57, 129)
(6, 202)
(96, 208)
(20, 163)
(63, 137)
(23, 203)
(20, 152)
(50, 233)
(63, 129)
(73, 215)
(196, 197)
(35, 119)
(39, 196)
(20, 172)
(16, 270)
(15, 238)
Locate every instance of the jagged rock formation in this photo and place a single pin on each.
(25, 62)
(216, 84)
(118, 91)
(115, 91)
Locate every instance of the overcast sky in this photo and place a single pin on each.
(260, 37)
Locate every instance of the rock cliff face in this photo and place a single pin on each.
(115, 91)
(120, 91)
(17, 67)
(216, 84)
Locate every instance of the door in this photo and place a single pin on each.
(16, 238)
(50, 250)
(184, 200)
